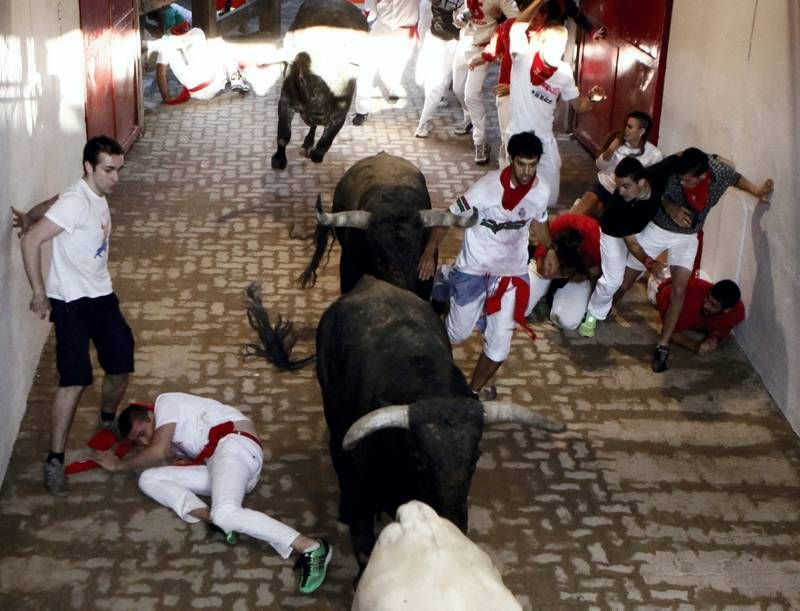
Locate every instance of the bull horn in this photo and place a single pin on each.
(391, 416)
(497, 412)
(359, 219)
(445, 218)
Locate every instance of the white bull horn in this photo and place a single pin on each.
(445, 218)
(496, 412)
(358, 219)
(391, 416)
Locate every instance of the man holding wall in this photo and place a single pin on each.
(78, 296)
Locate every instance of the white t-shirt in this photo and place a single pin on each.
(498, 243)
(533, 107)
(79, 263)
(193, 417)
(190, 58)
(481, 25)
(397, 13)
(605, 176)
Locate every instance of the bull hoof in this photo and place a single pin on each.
(305, 152)
(279, 161)
(316, 156)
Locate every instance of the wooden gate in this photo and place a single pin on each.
(111, 42)
(629, 64)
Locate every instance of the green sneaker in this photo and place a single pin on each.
(230, 537)
(314, 567)
(587, 327)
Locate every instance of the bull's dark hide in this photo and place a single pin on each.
(393, 190)
(380, 345)
(307, 93)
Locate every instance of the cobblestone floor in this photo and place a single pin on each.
(674, 491)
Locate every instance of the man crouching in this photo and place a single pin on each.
(219, 456)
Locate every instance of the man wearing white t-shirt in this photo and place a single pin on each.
(477, 21)
(539, 78)
(204, 67)
(219, 455)
(78, 295)
(490, 275)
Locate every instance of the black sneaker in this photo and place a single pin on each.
(313, 567)
(660, 357)
(359, 118)
(55, 479)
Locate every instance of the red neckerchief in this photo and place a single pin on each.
(698, 196)
(513, 195)
(540, 71)
(215, 434)
(520, 301)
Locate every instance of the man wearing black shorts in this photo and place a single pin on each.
(78, 295)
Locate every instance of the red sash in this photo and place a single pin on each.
(215, 434)
(520, 301)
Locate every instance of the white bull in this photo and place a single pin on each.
(423, 562)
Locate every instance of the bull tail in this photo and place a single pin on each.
(321, 236)
(277, 341)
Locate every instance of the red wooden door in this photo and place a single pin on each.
(111, 41)
(629, 64)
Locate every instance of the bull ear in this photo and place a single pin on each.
(445, 218)
(391, 416)
(497, 412)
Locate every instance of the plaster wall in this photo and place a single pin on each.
(42, 133)
(732, 88)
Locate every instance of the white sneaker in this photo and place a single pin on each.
(482, 154)
(463, 128)
(423, 130)
(239, 84)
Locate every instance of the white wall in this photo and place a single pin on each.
(733, 87)
(42, 133)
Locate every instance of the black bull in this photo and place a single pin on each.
(308, 93)
(403, 421)
(381, 217)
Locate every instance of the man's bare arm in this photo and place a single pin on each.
(151, 455)
(31, 243)
(25, 220)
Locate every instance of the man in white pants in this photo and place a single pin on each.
(629, 210)
(539, 78)
(490, 275)
(221, 457)
(203, 67)
(477, 23)
(392, 38)
(576, 241)
(436, 60)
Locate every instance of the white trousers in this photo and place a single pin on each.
(503, 102)
(549, 168)
(226, 477)
(461, 320)
(569, 302)
(468, 87)
(436, 64)
(681, 247)
(388, 52)
(613, 260)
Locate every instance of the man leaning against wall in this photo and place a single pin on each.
(78, 296)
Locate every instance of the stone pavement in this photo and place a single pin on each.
(674, 491)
